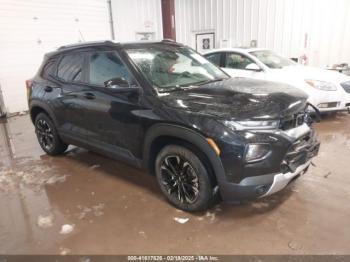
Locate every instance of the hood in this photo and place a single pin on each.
(239, 98)
(308, 72)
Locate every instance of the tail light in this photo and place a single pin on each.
(29, 85)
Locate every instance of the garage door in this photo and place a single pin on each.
(30, 28)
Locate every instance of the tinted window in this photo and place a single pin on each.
(48, 69)
(70, 68)
(237, 61)
(105, 66)
(214, 58)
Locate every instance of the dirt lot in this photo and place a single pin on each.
(108, 207)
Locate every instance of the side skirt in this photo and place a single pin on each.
(102, 148)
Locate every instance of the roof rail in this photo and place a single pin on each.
(82, 44)
(109, 42)
(168, 40)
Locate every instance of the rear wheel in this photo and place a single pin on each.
(47, 135)
(183, 179)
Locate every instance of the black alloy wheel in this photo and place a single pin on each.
(184, 179)
(180, 179)
(47, 135)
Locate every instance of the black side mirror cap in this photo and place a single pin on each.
(120, 85)
(129, 89)
(117, 82)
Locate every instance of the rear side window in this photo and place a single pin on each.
(106, 66)
(214, 58)
(48, 69)
(70, 67)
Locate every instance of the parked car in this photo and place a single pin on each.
(328, 90)
(200, 131)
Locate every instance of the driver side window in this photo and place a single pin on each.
(106, 66)
(237, 61)
(214, 58)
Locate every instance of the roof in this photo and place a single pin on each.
(113, 43)
(110, 43)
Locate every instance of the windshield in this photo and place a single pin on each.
(170, 68)
(271, 59)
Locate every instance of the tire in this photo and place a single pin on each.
(47, 135)
(183, 179)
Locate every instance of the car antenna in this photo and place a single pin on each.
(81, 35)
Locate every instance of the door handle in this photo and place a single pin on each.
(48, 88)
(89, 96)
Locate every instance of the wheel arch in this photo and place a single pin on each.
(37, 107)
(161, 135)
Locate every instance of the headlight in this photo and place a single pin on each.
(321, 85)
(243, 125)
(256, 152)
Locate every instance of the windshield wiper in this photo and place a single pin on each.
(188, 86)
(210, 81)
(176, 88)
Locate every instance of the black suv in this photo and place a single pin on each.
(164, 107)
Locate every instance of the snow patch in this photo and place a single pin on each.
(67, 229)
(64, 251)
(45, 221)
(96, 210)
(181, 220)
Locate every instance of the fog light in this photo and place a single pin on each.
(259, 190)
(256, 152)
(284, 168)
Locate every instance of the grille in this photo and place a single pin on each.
(301, 151)
(346, 86)
(292, 122)
(329, 105)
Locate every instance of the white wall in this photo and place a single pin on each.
(30, 28)
(133, 16)
(280, 25)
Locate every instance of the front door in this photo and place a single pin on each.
(111, 115)
(237, 65)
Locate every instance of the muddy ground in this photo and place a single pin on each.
(107, 207)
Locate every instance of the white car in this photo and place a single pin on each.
(327, 90)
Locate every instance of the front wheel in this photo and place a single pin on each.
(47, 135)
(183, 179)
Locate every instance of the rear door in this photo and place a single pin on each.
(70, 105)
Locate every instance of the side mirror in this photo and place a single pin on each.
(253, 67)
(120, 85)
(116, 83)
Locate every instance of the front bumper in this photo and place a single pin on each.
(338, 107)
(281, 180)
(295, 162)
(329, 101)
